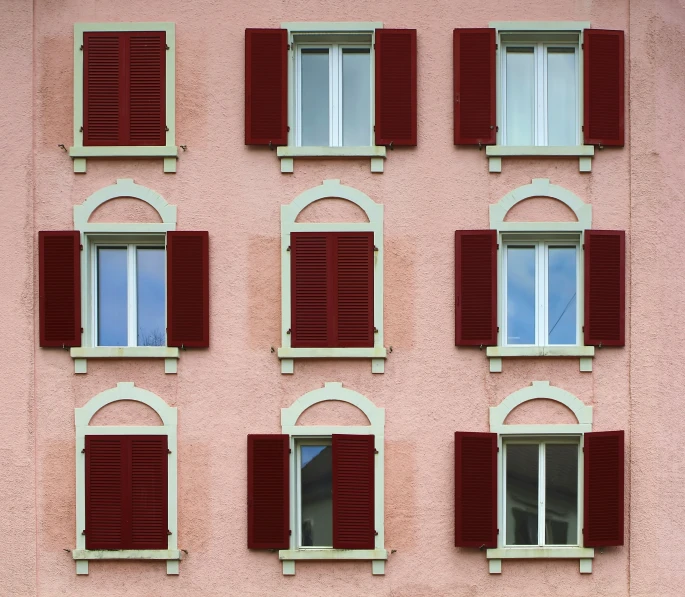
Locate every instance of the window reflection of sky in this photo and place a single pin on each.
(562, 295)
(520, 295)
(308, 453)
(112, 297)
(151, 296)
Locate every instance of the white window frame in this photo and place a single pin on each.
(169, 418)
(335, 30)
(334, 391)
(554, 433)
(537, 30)
(539, 187)
(132, 233)
(298, 443)
(169, 152)
(289, 224)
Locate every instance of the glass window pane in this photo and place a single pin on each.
(314, 97)
(112, 297)
(520, 96)
(520, 295)
(562, 95)
(316, 479)
(561, 494)
(522, 494)
(561, 295)
(356, 90)
(151, 300)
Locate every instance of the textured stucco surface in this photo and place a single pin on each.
(429, 389)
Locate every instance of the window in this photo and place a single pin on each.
(315, 493)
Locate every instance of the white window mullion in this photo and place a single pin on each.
(541, 496)
(132, 292)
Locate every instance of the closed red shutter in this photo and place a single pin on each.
(266, 87)
(476, 287)
(476, 489)
(268, 491)
(149, 492)
(603, 64)
(604, 489)
(59, 294)
(107, 489)
(474, 87)
(353, 492)
(395, 87)
(605, 287)
(188, 289)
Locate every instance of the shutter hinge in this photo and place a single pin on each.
(375, 330)
(289, 330)
(496, 46)
(83, 532)
(288, 249)
(166, 128)
(288, 127)
(582, 127)
(583, 328)
(82, 330)
(288, 46)
(583, 246)
(498, 246)
(80, 247)
(375, 248)
(375, 451)
(167, 47)
(498, 448)
(168, 451)
(375, 533)
(290, 450)
(168, 532)
(498, 329)
(83, 451)
(582, 530)
(81, 48)
(498, 531)
(80, 130)
(290, 531)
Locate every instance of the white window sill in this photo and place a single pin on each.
(82, 354)
(497, 353)
(584, 554)
(377, 356)
(82, 557)
(168, 152)
(378, 557)
(375, 152)
(584, 154)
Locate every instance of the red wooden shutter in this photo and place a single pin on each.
(474, 87)
(603, 63)
(266, 87)
(107, 486)
(605, 287)
(395, 87)
(268, 491)
(476, 489)
(353, 492)
(604, 487)
(146, 84)
(188, 289)
(59, 294)
(476, 287)
(149, 492)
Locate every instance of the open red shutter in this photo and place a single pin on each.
(395, 87)
(59, 294)
(268, 492)
(311, 279)
(266, 87)
(107, 490)
(149, 492)
(146, 82)
(604, 487)
(474, 87)
(476, 287)
(188, 289)
(354, 289)
(604, 117)
(104, 93)
(475, 494)
(605, 283)
(353, 492)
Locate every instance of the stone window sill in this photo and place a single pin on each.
(378, 557)
(377, 356)
(82, 354)
(375, 152)
(168, 152)
(584, 154)
(584, 554)
(497, 353)
(82, 556)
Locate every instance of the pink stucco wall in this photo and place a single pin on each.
(429, 389)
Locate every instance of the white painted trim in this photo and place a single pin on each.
(78, 152)
(377, 153)
(524, 553)
(124, 352)
(169, 417)
(539, 351)
(289, 224)
(376, 416)
(539, 25)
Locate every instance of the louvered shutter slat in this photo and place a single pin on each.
(395, 57)
(476, 489)
(149, 492)
(353, 492)
(188, 289)
(476, 287)
(103, 93)
(604, 489)
(59, 288)
(474, 87)
(268, 501)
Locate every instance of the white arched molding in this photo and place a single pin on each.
(169, 418)
(332, 189)
(539, 187)
(123, 188)
(334, 391)
(538, 390)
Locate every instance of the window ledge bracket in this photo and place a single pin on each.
(585, 556)
(497, 353)
(82, 354)
(168, 152)
(584, 153)
(83, 556)
(377, 153)
(376, 354)
(378, 557)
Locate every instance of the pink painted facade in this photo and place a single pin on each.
(429, 389)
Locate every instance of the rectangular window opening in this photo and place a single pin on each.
(315, 493)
